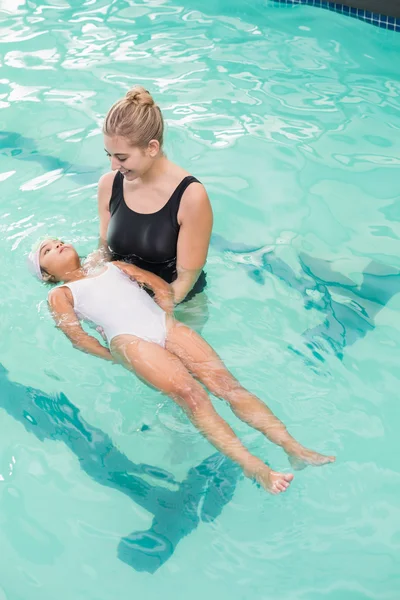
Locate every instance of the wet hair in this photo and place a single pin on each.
(50, 282)
(135, 117)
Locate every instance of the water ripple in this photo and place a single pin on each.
(291, 119)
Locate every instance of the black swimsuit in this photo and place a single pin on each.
(148, 240)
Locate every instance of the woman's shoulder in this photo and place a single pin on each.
(195, 205)
(194, 195)
(181, 176)
(106, 189)
(106, 181)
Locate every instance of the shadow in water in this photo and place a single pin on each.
(207, 488)
(23, 148)
(343, 323)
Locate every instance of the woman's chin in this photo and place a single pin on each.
(129, 175)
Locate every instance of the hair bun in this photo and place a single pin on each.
(139, 96)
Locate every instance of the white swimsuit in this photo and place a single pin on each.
(118, 305)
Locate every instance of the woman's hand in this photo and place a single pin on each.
(184, 283)
(165, 298)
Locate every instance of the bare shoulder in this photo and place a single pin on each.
(104, 188)
(60, 296)
(175, 172)
(195, 202)
(106, 181)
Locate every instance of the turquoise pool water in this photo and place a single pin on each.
(291, 119)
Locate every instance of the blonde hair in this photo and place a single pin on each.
(135, 117)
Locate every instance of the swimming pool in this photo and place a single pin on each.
(290, 117)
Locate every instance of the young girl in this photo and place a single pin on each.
(143, 336)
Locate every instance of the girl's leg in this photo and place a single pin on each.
(163, 370)
(201, 360)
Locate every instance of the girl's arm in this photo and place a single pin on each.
(163, 294)
(62, 310)
(196, 220)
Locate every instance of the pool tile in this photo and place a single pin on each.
(368, 16)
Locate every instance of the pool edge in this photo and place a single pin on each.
(391, 23)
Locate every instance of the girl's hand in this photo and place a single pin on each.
(165, 299)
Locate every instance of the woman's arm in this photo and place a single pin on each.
(104, 191)
(196, 220)
(163, 294)
(65, 317)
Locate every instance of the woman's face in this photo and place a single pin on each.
(131, 161)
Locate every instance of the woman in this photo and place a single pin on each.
(144, 337)
(153, 213)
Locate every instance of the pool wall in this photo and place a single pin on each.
(383, 13)
(390, 8)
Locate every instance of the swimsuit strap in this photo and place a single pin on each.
(175, 200)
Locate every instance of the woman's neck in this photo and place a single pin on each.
(159, 167)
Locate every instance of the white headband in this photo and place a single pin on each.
(34, 259)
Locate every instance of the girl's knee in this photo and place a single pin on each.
(223, 385)
(190, 396)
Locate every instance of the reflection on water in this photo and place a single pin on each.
(176, 513)
(291, 119)
(343, 322)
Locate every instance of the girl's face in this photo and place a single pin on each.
(57, 258)
(133, 162)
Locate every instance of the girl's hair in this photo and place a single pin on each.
(135, 117)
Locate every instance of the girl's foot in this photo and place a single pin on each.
(300, 457)
(272, 481)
